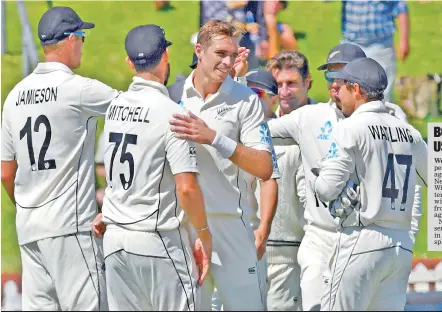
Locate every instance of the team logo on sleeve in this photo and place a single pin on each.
(265, 134)
(326, 131)
(333, 151)
(274, 160)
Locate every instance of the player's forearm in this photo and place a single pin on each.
(256, 162)
(191, 200)
(236, 4)
(9, 169)
(404, 27)
(268, 203)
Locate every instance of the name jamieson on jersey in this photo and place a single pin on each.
(125, 113)
(385, 133)
(37, 96)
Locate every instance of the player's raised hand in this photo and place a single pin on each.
(202, 252)
(241, 65)
(192, 128)
(98, 227)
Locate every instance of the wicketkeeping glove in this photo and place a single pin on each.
(347, 201)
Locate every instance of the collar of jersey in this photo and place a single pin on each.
(373, 106)
(47, 67)
(140, 84)
(225, 88)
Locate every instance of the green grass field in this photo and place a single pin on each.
(103, 59)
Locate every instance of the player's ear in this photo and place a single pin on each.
(129, 63)
(308, 81)
(198, 50)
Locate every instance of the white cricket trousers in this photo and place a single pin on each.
(217, 305)
(284, 291)
(150, 271)
(63, 273)
(369, 270)
(314, 254)
(235, 269)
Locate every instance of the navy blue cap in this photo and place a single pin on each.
(264, 78)
(366, 72)
(343, 53)
(194, 61)
(56, 21)
(146, 44)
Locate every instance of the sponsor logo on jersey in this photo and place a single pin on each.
(326, 131)
(332, 151)
(265, 134)
(252, 270)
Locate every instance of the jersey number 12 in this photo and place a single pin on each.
(392, 192)
(125, 156)
(43, 164)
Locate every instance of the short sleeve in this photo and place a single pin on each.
(181, 154)
(254, 129)
(96, 96)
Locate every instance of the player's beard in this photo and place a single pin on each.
(167, 74)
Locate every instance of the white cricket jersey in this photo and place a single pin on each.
(310, 127)
(49, 125)
(99, 153)
(236, 112)
(384, 155)
(141, 157)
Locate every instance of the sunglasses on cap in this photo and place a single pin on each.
(81, 34)
(261, 92)
(326, 72)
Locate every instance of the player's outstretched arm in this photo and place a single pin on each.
(285, 130)
(9, 169)
(191, 200)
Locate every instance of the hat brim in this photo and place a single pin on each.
(168, 43)
(87, 25)
(324, 66)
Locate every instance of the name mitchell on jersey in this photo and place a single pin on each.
(124, 113)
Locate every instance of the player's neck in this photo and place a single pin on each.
(150, 77)
(203, 85)
(52, 57)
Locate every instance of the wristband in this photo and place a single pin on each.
(224, 145)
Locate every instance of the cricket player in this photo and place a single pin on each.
(311, 127)
(384, 156)
(48, 137)
(150, 263)
(227, 120)
(291, 72)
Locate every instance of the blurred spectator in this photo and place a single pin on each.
(162, 5)
(286, 39)
(371, 25)
(245, 15)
